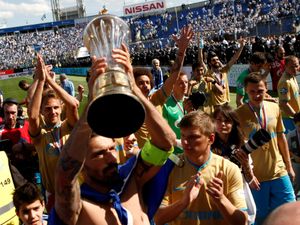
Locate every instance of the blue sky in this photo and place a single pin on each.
(21, 12)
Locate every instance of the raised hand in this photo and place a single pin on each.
(40, 71)
(98, 67)
(122, 56)
(185, 37)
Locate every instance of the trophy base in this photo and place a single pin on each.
(116, 115)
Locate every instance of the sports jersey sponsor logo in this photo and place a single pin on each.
(283, 91)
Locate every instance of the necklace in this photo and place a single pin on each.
(261, 120)
(178, 104)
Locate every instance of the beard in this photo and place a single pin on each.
(110, 179)
(216, 65)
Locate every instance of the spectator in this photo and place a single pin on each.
(157, 74)
(14, 127)
(66, 84)
(228, 142)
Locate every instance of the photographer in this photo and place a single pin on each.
(228, 141)
(271, 162)
(14, 128)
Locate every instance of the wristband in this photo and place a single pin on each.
(153, 155)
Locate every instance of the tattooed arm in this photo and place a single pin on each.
(67, 191)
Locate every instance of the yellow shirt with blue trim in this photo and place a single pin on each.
(268, 163)
(216, 97)
(203, 211)
(288, 91)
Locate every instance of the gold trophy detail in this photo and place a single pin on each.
(114, 111)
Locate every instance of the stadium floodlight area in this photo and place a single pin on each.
(68, 13)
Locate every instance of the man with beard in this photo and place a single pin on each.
(277, 67)
(217, 76)
(110, 194)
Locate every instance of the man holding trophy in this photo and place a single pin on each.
(111, 193)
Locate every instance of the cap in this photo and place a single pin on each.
(11, 100)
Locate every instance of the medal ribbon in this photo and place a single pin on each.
(177, 104)
(262, 121)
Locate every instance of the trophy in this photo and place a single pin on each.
(114, 111)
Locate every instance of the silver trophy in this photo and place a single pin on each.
(114, 111)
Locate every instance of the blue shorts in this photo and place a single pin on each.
(288, 124)
(272, 194)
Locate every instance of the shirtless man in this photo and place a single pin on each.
(106, 198)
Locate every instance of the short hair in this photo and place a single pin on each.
(26, 194)
(63, 76)
(290, 58)
(196, 65)
(154, 61)
(22, 83)
(258, 58)
(200, 120)
(10, 101)
(48, 94)
(254, 77)
(140, 71)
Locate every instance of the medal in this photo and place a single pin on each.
(266, 146)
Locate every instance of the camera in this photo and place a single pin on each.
(260, 138)
(198, 99)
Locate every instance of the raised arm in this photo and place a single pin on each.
(67, 190)
(237, 54)
(162, 136)
(71, 103)
(200, 52)
(35, 104)
(182, 43)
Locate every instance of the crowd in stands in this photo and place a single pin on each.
(218, 24)
(194, 158)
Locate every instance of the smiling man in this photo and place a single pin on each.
(48, 132)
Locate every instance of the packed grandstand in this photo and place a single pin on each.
(220, 23)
